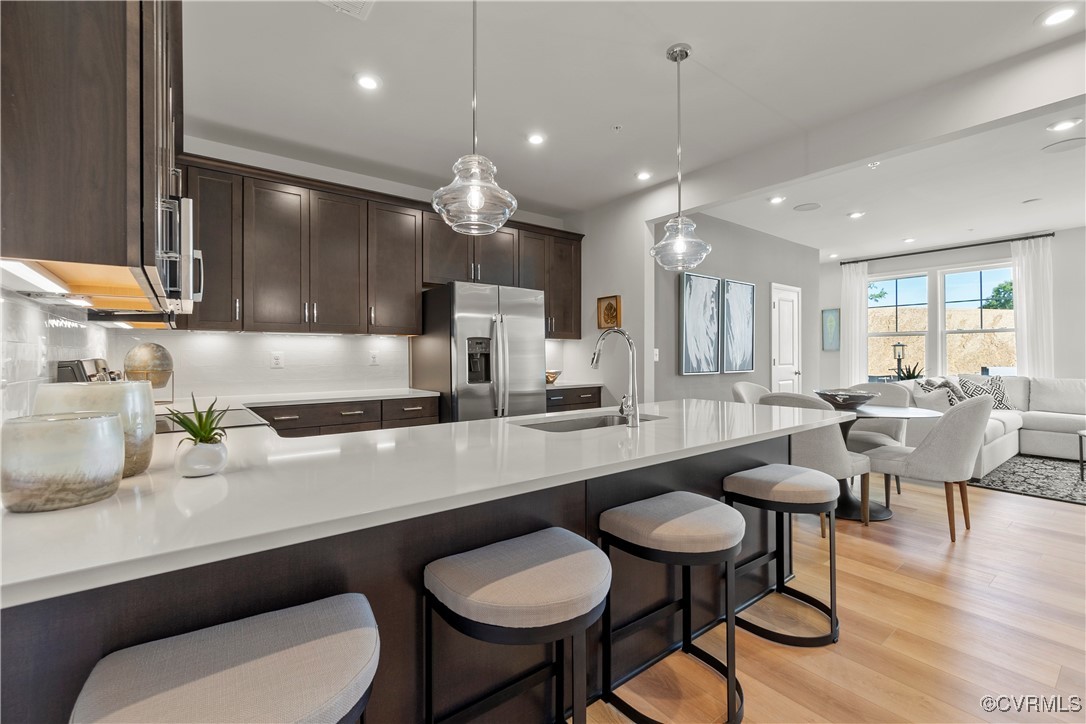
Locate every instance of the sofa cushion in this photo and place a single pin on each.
(1017, 388)
(1054, 395)
(939, 400)
(1053, 421)
(993, 430)
(1011, 419)
(993, 388)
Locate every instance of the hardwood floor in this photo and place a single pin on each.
(928, 627)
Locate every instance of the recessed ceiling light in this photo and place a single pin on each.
(777, 199)
(369, 82)
(536, 139)
(1067, 144)
(909, 240)
(1057, 15)
(834, 256)
(644, 175)
(810, 206)
(856, 214)
(873, 164)
(1030, 201)
(1064, 125)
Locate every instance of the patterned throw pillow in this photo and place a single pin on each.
(954, 392)
(939, 400)
(993, 387)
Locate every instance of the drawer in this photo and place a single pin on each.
(571, 408)
(408, 408)
(353, 427)
(285, 417)
(409, 422)
(574, 396)
(298, 432)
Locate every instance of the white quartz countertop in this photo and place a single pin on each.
(560, 385)
(284, 491)
(297, 398)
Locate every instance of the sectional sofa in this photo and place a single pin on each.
(1047, 417)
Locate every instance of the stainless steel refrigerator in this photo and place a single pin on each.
(482, 348)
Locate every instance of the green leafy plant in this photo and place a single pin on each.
(911, 372)
(202, 425)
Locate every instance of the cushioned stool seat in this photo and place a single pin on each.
(313, 662)
(783, 484)
(677, 522)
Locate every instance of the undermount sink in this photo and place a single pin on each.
(587, 423)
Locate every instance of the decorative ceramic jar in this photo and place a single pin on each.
(199, 459)
(154, 363)
(60, 461)
(132, 401)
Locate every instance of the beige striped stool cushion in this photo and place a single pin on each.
(538, 579)
(309, 663)
(678, 522)
(779, 483)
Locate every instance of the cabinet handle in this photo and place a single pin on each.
(314, 312)
(586, 395)
(373, 315)
(307, 312)
(411, 409)
(237, 309)
(478, 272)
(353, 412)
(560, 397)
(283, 418)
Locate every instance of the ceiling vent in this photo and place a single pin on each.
(357, 9)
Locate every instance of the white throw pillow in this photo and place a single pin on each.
(939, 399)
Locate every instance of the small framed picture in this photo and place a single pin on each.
(609, 311)
(831, 330)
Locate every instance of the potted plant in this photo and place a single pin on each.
(207, 453)
(911, 372)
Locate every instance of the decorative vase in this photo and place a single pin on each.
(60, 461)
(132, 401)
(196, 461)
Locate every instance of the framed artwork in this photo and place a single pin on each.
(700, 324)
(609, 312)
(738, 326)
(831, 330)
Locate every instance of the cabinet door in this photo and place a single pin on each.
(446, 255)
(496, 258)
(276, 253)
(532, 261)
(395, 269)
(216, 208)
(563, 289)
(337, 258)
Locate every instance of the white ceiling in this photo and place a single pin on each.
(963, 190)
(277, 77)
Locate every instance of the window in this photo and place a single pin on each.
(979, 321)
(897, 311)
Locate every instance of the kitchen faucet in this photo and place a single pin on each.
(628, 407)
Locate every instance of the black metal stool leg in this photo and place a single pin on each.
(687, 611)
(779, 562)
(834, 625)
(729, 607)
(428, 656)
(560, 681)
(580, 679)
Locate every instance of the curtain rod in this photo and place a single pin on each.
(948, 248)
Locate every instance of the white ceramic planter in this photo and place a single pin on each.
(60, 461)
(132, 401)
(196, 461)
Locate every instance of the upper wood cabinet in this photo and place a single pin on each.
(338, 263)
(562, 294)
(216, 210)
(276, 253)
(451, 257)
(532, 261)
(395, 269)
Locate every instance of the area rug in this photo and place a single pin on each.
(1050, 478)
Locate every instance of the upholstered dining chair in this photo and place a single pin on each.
(748, 392)
(823, 448)
(868, 433)
(946, 455)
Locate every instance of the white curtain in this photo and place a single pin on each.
(853, 323)
(1031, 269)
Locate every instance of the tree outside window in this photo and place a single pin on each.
(979, 322)
(897, 311)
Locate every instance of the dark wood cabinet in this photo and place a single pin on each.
(338, 263)
(496, 258)
(395, 269)
(451, 257)
(217, 202)
(563, 288)
(563, 399)
(306, 419)
(532, 261)
(276, 254)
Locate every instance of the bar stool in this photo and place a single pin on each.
(677, 529)
(543, 587)
(790, 489)
(313, 662)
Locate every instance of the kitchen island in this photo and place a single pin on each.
(293, 520)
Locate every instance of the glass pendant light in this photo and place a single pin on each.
(474, 203)
(680, 248)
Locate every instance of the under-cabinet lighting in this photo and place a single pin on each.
(34, 275)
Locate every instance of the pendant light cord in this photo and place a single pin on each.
(679, 134)
(474, 72)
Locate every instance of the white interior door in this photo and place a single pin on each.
(786, 366)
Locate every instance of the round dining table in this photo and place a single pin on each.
(848, 505)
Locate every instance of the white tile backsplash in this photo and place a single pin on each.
(34, 338)
(210, 364)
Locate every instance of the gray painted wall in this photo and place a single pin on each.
(750, 256)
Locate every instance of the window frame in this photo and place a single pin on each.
(943, 351)
(897, 276)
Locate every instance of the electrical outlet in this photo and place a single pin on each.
(276, 362)
(373, 358)
(655, 354)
